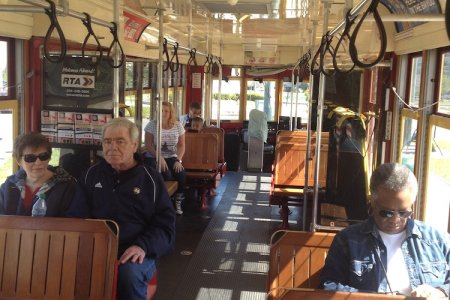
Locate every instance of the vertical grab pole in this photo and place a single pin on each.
(159, 87)
(320, 102)
(308, 131)
(117, 12)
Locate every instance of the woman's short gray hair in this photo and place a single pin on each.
(394, 177)
(133, 131)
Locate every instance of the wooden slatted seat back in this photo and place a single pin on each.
(201, 151)
(57, 258)
(290, 161)
(296, 259)
(221, 135)
(300, 137)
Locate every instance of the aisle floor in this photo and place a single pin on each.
(222, 252)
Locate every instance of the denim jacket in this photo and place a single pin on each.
(353, 264)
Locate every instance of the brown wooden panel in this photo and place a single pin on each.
(25, 263)
(2, 250)
(172, 187)
(40, 260)
(201, 151)
(99, 266)
(84, 266)
(221, 135)
(296, 259)
(55, 263)
(10, 263)
(311, 294)
(69, 267)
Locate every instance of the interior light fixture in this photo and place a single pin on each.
(232, 2)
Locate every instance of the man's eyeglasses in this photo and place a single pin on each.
(386, 213)
(31, 158)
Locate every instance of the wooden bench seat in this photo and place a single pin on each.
(57, 258)
(171, 186)
(288, 178)
(200, 162)
(296, 259)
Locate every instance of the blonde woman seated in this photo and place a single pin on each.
(172, 150)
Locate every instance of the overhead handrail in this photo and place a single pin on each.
(166, 53)
(316, 61)
(328, 49)
(317, 65)
(383, 39)
(349, 21)
(174, 66)
(192, 59)
(114, 44)
(87, 22)
(51, 13)
(207, 66)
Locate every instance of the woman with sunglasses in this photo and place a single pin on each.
(390, 252)
(21, 190)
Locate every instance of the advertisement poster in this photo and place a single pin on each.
(78, 83)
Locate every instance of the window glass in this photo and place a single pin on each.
(261, 95)
(414, 89)
(129, 109)
(6, 144)
(300, 96)
(230, 95)
(129, 76)
(438, 185)
(409, 142)
(146, 75)
(444, 85)
(4, 68)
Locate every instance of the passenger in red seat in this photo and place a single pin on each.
(122, 188)
(19, 194)
(172, 150)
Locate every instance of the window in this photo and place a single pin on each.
(414, 84)
(444, 85)
(300, 95)
(438, 179)
(129, 76)
(409, 142)
(261, 96)
(230, 95)
(6, 70)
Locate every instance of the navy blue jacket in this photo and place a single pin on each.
(352, 263)
(58, 196)
(136, 199)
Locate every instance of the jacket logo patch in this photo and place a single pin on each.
(136, 190)
(98, 185)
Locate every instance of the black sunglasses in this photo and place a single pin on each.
(385, 213)
(31, 158)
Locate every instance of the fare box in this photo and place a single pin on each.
(66, 136)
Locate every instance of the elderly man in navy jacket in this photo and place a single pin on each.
(123, 189)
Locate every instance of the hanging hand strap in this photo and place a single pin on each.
(51, 13)
(115, 44)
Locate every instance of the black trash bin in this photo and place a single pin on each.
(232, 145)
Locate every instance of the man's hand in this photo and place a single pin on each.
(135, 253)
(428, 292)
